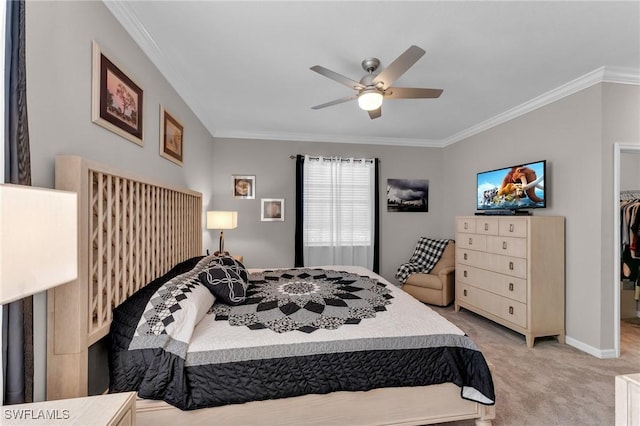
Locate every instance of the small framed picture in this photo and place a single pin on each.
(116, 102)
(272, 209)
(171, 137)
(244, 186)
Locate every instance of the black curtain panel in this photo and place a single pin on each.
(17, 324)
(299, 255)
(376, 219)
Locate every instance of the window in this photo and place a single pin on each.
(338, 200)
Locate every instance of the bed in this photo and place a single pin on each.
(392, 324)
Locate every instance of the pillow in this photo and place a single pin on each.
(224, 283)
(232, 264)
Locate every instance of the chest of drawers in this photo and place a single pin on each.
(511, 270)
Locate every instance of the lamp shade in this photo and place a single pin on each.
(222, 219)
(38, 240)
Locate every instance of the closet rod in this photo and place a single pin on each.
(629, 195)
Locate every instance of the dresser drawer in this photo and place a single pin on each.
(487, 226)
(466, 224)
(507, 246)
(472, 241)
(513, 227)
(503, 285)
(512, 266)
(507, 309)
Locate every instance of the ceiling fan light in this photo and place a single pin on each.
(370, 100)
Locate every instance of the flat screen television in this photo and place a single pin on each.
(512, 188)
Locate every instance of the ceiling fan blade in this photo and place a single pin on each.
(399, 66)
(335, 102)
(411, 93)
(337, 77)
(376, 113)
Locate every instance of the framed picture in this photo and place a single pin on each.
(272, 209)
(171, 137)
(407, 195)
(244, 186)
(116, 99)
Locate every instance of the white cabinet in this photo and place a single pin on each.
(511, 270)
(628, 400)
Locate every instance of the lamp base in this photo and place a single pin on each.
(218, 253)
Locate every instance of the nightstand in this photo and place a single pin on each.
(116, 409)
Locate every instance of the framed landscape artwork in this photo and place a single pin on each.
(171, 137)
(117, 100)
(407, 195)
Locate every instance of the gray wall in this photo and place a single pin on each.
(575, 135)
(269, 244)
(630, 172)
(59, 36)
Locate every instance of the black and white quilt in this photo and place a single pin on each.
(306, 300)
(380, 338)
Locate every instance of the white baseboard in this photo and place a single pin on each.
(598, 353)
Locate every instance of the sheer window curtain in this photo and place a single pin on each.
(337, 205)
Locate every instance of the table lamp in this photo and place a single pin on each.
(222, 220)
(38, 242)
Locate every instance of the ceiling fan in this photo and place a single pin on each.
(372, 88)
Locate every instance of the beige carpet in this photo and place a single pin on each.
(550, 384)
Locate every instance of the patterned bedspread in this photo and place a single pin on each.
(299, 331)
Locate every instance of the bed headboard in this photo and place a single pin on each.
(131, 230)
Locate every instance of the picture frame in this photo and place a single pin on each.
(171, 137)
(272, 210)
(243, 186)
(116, 100)
(407, 195)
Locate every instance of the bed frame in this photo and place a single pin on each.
(132, 230)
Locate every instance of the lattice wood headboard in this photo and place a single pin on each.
(131, 231)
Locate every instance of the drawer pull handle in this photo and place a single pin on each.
(486, 226)
(464, 273)
(510, 310)
(511, 266)
(511, 227)
(466, 225)
(504, 245)
(465, 292)
(464, 256)
(510, 286)
(470, 240)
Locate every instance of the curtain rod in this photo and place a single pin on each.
(341, 159)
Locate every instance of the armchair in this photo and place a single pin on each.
(438, 286)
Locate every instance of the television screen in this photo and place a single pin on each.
(512, 188)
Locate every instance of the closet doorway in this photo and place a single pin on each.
(626, 156)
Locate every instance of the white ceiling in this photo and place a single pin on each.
(243, 66)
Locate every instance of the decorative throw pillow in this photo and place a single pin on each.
(224, 283)
(231, 263)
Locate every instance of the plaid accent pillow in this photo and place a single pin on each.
(425, 256)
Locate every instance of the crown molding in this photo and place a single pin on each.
(600, 75)
(313, 137)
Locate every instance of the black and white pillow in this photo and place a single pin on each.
(233, 264)
(225, 284)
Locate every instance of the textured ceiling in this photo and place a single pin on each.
(243, 67)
